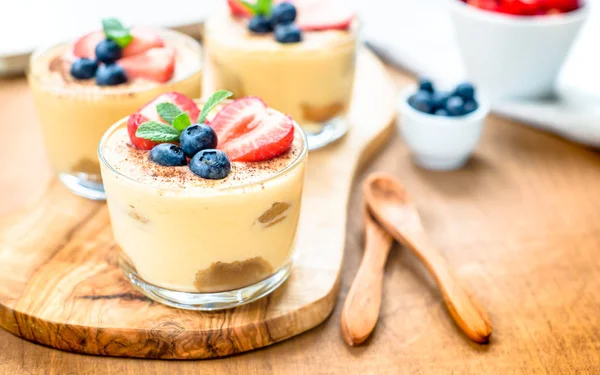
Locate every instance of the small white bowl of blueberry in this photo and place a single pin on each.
(441, 128)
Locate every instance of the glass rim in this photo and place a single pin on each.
(44, 48)
(123, 122)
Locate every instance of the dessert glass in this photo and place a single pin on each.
(311, 80)
(205, 248)
(74, 116)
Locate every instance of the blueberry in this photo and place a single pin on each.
(465, 90)
(84, 68)
(283, 14)
(421, 101)
(455, 106)
(426, 85)
(471, 106)
(439, 99)
(287, 33)
(196, 138)
(260, 25)
(108, 51)
(110, 75)
(167, 154)
(441, 112)
(211, 164)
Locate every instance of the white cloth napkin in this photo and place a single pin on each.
(418, 36)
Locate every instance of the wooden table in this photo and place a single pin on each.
(520, 224)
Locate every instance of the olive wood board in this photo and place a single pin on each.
(60, 285)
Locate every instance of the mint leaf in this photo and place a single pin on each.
(157, 132)
(212, 102)
(182, 121)
(264, 7)
(114, 30)
(168, 111)
(251, 7)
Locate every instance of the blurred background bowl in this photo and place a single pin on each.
(510, 56)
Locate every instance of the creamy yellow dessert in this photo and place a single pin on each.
(180, 232)
(311, 80)
(75, 113)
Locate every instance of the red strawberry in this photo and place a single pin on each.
(249, 131)
(233, 119)
(133, 123)
(324, 14)
(491, 5)
(520, 7)
(239, 9)
(183, 102)
(143, 40)
(86, 45)
(564, 5)
(156, 64)
(148, 113)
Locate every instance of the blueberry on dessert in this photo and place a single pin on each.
(168, 154)
(267, 18)
(84, 68)
(121, 54)
(211, 164)
(459, 102)
(196, 138)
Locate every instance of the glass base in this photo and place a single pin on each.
(206, 301)
(83, 187)
(325, 133)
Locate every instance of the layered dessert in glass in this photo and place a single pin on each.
(81, 88)
(204, 210)
(299, 57)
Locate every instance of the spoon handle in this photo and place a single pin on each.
(466, 311)
(361, 308)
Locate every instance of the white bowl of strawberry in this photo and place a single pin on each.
(514, 49)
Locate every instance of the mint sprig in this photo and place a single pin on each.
(261, 7)
(115, 31)
(212, 102)
(157, 132)
(171, 113)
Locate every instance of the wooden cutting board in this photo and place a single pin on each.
(60, 284)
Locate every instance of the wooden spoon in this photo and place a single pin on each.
(361, 308)
(394, 211)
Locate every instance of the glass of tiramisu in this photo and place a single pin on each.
(298, 56)
(204, 210)
(80, 88)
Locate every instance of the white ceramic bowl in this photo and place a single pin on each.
(510, 56)
(440, 142)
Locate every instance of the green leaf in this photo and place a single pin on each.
(182, 121)
(250, 6)
(157, 132)
(212, 102)
(114, 30)
(264, 7)
(168, 111)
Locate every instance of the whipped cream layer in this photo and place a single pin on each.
(135, 164)
(51, 68)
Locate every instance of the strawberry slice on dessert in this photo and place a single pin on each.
(143, 40)
(156, 64)
(249, 131)
(316, 15)
(239, 9)
(149, 113)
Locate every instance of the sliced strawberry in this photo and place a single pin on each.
(86, 45)
(133, 123)
(564, 5)
(324, 14)
(271, 134)
(239, 9)
(156, 64)
(491, 5)
(519, 7)
(143, 40)
(235, 118)
(183, 102)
